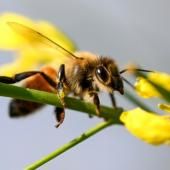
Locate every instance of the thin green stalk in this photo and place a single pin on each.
(53, 99)
(70, 144)
(13, 91)
(137, 102)
(112, 115)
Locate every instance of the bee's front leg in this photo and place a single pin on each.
(92, 96)
(113, 100)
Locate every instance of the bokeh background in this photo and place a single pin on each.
(128, 30)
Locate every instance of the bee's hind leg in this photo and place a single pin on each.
(21, 76)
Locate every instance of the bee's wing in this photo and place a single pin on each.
(35, 35)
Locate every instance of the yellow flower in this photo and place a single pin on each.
(151, 128)
(30, 53)
(146, 90)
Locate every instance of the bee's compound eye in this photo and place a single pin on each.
(102, 74)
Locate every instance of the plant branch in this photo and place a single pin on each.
(53, 99)
(70, 144)
(137, 102)
(112, 115)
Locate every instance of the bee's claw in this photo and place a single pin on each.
(60, 115)
(90, 115)
(57, 125)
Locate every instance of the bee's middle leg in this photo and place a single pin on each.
(61, 82)
(60, 111)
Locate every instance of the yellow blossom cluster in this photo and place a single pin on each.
(27, 57)
(150, 127)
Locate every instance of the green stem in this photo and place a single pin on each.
(70, 144)
(53, 99)
(137, 102)
(28, 94)
(110, 114)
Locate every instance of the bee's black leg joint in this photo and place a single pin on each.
(60, 115)
(7, 80)
(21, 76)
(113, 100)
(16, 78)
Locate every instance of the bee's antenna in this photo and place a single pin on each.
(129, 83)
(125, 70)
(142, 70)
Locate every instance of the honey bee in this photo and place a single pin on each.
(83, 74)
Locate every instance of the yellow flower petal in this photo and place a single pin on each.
(160, 78)
(146, 90)
(12, 40)
(9, 39)
(31, 59)
(165, 107)
(32, 53)
(151, 128)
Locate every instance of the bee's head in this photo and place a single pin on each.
(107, 76)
